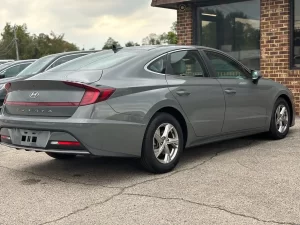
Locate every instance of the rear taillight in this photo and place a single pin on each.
(92, 95)
(7, 86)
(5, 137)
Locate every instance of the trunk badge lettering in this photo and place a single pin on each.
(35, 110)
(34, 94)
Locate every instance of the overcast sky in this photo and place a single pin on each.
(89, 23)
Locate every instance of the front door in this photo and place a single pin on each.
(200, 96)
(246, 102)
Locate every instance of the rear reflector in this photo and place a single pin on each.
(65, 143)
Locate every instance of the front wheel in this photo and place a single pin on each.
(163, 144)
(60, 156)
(280, 122)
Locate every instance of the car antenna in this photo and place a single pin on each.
(115, 48)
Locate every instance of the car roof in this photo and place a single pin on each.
(166, 47)
(57, 55)
(20, 61)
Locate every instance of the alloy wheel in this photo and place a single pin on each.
(282, 118)
(165, 143)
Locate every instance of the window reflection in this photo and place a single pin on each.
(233, 28)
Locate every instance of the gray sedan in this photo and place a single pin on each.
(147, 102)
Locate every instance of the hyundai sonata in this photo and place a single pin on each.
(148, 102)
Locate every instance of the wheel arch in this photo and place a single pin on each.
(179, 117)
(289, 102)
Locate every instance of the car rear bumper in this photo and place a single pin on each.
(61, 151)
(111, 134)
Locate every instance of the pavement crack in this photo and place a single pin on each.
(122, 190)
(84, 208)
(213, 207)
(176, 171)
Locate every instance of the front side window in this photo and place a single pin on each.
(225, 67)
(158, 65)
(186, 63)
(296, 39)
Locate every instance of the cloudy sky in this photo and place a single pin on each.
(89, 23)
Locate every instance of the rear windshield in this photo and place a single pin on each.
(37, 66)
(97, 61)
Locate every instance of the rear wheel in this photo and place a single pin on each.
(280, 122)
(60, 156)
(163, 144)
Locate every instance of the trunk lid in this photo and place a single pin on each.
(50, 98)
(43, 98)
(87, 77)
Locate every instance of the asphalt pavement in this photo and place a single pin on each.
(251, 180)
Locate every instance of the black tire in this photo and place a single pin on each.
(273, 131)
(148, 158)
(60, 156)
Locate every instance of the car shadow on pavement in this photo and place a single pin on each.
(116, 172)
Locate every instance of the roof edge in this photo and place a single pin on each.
(170, 4)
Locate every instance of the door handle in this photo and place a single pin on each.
(230, 91)
(183, 93)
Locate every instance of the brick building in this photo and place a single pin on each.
(263, 34)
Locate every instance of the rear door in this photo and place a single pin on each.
(200, 95)
(246, 102)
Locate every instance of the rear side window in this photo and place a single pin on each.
(158, 65)
(97, 61)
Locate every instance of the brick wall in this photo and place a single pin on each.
(185, 26)
(275, 46)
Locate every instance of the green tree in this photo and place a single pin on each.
(174, 27)
(31, 46)
(169, 37)
(109, 43)
(7, 46)
(152, 39)
(131, 44)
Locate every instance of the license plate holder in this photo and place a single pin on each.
(29, 138)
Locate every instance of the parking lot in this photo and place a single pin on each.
(251, 180)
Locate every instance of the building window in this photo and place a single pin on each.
(296, 34)
(233, 28)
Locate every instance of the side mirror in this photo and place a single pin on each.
(256, 75)
(2, 76)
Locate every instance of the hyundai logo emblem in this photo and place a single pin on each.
(34, 94)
